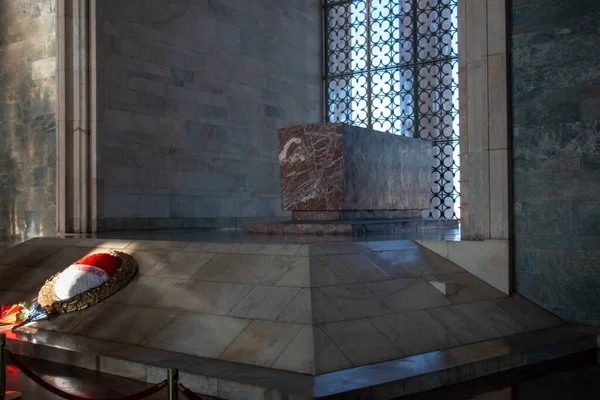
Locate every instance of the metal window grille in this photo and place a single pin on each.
(392, 65)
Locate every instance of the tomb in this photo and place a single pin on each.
(342, 179)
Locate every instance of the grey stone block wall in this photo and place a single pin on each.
(193, 93)
(556, 151)
(27, 118)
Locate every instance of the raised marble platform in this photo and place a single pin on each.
(308, 308)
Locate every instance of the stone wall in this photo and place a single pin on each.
(556, 144)
(193, 94)
(27, 117)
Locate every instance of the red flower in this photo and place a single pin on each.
(9, 315)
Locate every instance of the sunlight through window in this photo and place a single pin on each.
(392, 65)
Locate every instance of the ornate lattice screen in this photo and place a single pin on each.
(392, 65)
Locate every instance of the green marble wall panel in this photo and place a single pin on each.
(27, 117)
(556, 155)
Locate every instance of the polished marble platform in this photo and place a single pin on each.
(308, 307)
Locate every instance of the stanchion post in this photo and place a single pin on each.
(2, 366)
(4, 394)
(173, 381)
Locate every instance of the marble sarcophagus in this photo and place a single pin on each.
(336, 172)
(335, 167)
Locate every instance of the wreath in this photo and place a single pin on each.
(83, 284)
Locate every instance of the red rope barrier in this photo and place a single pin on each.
(193, 396)
(138, 396)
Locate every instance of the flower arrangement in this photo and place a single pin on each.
(15, 314)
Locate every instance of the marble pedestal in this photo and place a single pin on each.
(341, 179)
(283, 320)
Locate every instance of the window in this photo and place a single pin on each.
(391, 65)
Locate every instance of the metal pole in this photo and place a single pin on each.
(173, 380)
(2, 366)
(4, 394)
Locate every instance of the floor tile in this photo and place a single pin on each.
(391, 263)
(298, 274)
(299, 310)
(325, 249)
(415, 332)
(299, 356)
(321, 275)
(361, 342)
(63, 258)
(65, 323)
(23, 279)
(328, 357)
(198, 334)
(355, 301)
(528, 313)
(265, 302)
(227, 248)
(496, 318)
(461, 325)
(390, 245)
(312, 352)
(143, 290)
(204, 297)
(123, 323)
(323, 310)
(146, 260)
(24, 255)
(408, 294)
(280, 249)
(54, 241)
(10, 297)
(261, 343)
(472, 323)
(104, 243)
(250, 269)
(354, 268)
(180, 264)
(165, 245)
